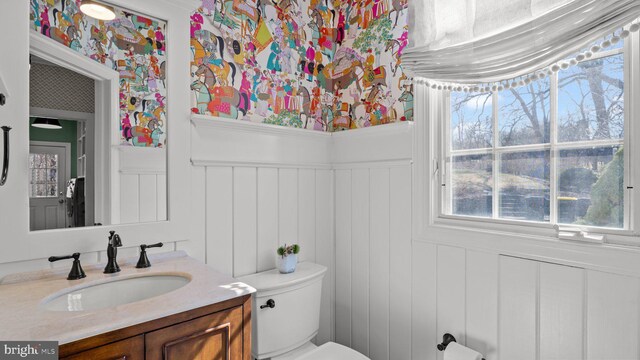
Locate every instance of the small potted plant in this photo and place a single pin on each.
(288, 258)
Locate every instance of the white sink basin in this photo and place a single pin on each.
(114, 293)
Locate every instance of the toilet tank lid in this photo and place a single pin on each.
(273, 279)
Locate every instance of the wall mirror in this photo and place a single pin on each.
(97, 119)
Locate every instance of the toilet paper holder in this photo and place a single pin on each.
(446, 340)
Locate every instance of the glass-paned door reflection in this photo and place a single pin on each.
(43, 175)
(48, 175)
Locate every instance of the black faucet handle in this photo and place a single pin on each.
(114, 239)
(143, 261)
(145, 246)
(76, 269)
(74, 256)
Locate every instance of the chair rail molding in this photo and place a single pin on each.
(223, 142)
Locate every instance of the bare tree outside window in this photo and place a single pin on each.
(504, 181)
(523, 114)
(591, 100)
(471, 120)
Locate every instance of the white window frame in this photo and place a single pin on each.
(438, 136)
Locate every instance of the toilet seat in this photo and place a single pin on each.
(333, 351)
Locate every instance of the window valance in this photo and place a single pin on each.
(483, 41)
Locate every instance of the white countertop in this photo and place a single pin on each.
(23, 318)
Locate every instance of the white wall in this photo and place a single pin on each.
(256, 187)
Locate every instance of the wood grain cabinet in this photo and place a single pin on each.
(128, 349)
(206, 338)
(216, 332)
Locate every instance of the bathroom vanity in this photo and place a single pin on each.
(177, 309)
(210, 332)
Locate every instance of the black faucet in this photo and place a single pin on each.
(112, 252)
(143, 262)
(76, 272)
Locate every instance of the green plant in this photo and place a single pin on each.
(288, 250)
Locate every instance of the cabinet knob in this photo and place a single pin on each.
(270, 304)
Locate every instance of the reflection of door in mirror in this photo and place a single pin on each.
(48, 176)
(62, 104)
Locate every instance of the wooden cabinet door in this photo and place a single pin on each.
(218, 336)
(128, 349)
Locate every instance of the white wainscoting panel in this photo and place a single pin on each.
(344, 256)
(267, 218)
(612, 317)
(424, 305)
(288, 206)
(219, 217)
(325, 250)
(561, 304)
(197, 232)
(360, 259)
(142, 185)
(450, 294)
(520, 308)
(482, 302)
(148, 197)
(129, 198)
(374, 257)
(250, 209)
(245, 231)
(306, 210)
(379, 262)
(374, 260)
(265, 186)
(399, 262)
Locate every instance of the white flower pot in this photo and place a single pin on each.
(287, 264)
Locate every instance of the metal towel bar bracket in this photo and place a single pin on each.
(446, 340)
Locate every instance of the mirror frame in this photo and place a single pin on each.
(20, 243)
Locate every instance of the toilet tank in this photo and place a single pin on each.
(295, 318)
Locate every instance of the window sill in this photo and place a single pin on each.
(532, 230)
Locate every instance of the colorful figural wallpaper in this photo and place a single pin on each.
(317, 64)
(131, 44)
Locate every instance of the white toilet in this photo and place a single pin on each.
(284, 331)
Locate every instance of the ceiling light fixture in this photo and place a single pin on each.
(46, 123)
(97, 10)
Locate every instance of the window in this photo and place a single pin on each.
(550, 152)
(43, 175)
